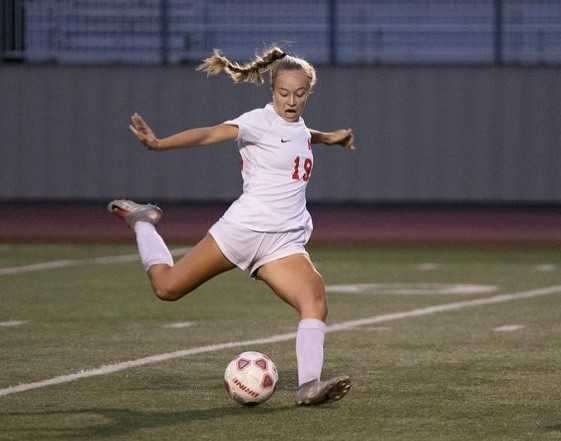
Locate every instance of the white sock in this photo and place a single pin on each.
(309, 349)
(151, 246)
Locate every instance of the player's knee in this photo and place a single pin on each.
(163, 284)
(322, 309)
(325, 311)
(166, 291)
(315, 302)
(320, 299)
(166, 294)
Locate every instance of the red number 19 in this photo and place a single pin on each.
(307, 169)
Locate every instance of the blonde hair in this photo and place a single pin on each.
(273, 60)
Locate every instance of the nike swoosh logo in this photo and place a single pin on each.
(285, 140)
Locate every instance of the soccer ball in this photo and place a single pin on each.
(251, 378)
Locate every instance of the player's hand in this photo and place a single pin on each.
(143, 132)
(343, 137)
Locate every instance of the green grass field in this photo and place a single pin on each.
(447, 375)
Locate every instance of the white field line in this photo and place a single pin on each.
(10, 323)
(384, 318)
(179, 325)
(55, 264)
(509, 328)
(429, 266)
(546, 268)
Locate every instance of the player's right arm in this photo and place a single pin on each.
(188, 138)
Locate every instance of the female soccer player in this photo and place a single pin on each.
(265, 230)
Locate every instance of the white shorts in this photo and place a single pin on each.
(249, 250)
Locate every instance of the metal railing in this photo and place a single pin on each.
(325, 31)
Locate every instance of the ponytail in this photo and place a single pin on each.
(250, 72)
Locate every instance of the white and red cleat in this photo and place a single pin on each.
(318, 392)
(132, 212)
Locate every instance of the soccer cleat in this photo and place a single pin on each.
(132, 212)
(318, 392)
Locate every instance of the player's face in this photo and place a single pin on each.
(290, 94)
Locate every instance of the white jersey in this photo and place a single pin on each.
(277, 164)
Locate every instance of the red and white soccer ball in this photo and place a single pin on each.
(251, 378)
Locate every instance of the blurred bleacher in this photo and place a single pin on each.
(325, 31)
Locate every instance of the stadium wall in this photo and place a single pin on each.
(424, 134)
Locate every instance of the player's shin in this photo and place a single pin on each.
(151, 246)
(309, 349)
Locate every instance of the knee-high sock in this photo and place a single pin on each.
(151, 246)
(309, 349)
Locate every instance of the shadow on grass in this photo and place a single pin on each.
(554, 428)
(119, 422)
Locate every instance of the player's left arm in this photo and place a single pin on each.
(343, 137)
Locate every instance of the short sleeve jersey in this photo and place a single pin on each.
(277, 164)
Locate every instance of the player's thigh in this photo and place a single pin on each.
(201, 263)
(296, 281)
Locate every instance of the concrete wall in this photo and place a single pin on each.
(423, 133)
